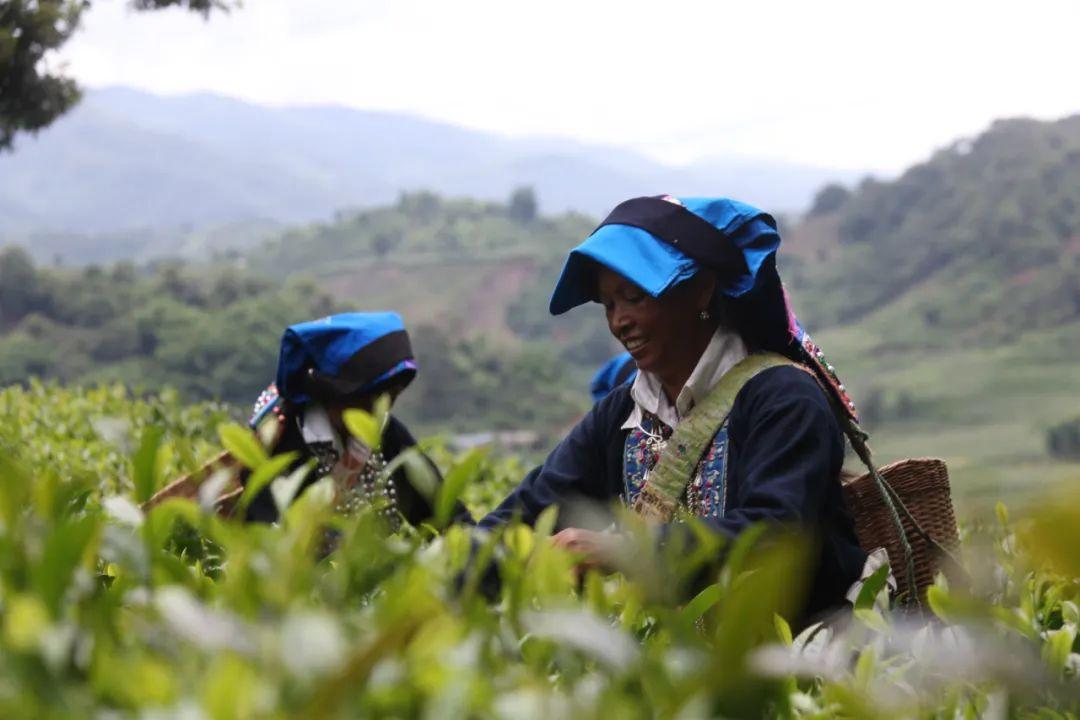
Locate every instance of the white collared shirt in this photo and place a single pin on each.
(725, 350)
(315, 426)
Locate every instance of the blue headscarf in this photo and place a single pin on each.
(616, 371)
(657, 266)
(343, 354)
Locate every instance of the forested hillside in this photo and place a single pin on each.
(986, 234)
(950, 299)
(209, 332)
(472, 268)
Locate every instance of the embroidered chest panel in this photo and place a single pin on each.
(704, 496)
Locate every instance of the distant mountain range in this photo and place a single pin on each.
(125, 160)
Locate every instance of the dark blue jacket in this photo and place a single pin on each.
(784, 458)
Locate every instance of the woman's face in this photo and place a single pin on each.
(662, 334)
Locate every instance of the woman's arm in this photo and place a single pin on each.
(576, 468)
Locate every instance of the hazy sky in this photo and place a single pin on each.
(864, 84)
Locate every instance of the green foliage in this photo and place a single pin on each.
(421, 227)
(203, 7)
(109, 611)
(212, 332)
(949, 300)
(31, 96)
(829, 199)
(582, 337)
(1063, 440)
(243, 445)
(105, 436)
(984, 233)
(208, 331)
(19, 291)
(479, 386)
(522, 205)
(366, 427)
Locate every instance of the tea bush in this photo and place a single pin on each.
(107, 611)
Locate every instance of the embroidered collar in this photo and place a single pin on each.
(723, 352)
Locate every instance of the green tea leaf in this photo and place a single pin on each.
(66, 547)
(417, 471)
(1054, 533)
(741, 549)
(519, 539)
(545, 523)
(144, 463)
(284, 489)
(783, 630)
(243, 445)
(232, 689)
(1070, 612)
(15, 485)
(872, 587)
(866, 664)
(134, 680)
(267, 472)
(938, 599)
(463, 472)
(701, 604)
(1058, 646)
(872, 619)
(160, 520)
(25, 621)
(364, 426)
(381, 410)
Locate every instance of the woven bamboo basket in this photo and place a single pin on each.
(187, 486)
(923, 486)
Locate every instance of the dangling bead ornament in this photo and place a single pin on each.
(816, 360)
(372, 487)
(360, 480)
(268, 402)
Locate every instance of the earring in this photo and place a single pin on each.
(705, 315)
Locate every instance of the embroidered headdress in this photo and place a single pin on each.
(342, 355)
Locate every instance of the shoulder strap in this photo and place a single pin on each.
(660, 494)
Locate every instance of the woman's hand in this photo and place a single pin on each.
(601, 550)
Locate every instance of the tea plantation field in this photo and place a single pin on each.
(107, 611)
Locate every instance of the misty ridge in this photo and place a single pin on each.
(126, 160)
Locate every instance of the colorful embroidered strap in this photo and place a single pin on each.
(660, 494)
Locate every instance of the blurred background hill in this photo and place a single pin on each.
(951, 298)
(167, 241)
(176, 169)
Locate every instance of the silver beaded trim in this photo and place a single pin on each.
(372, 487)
